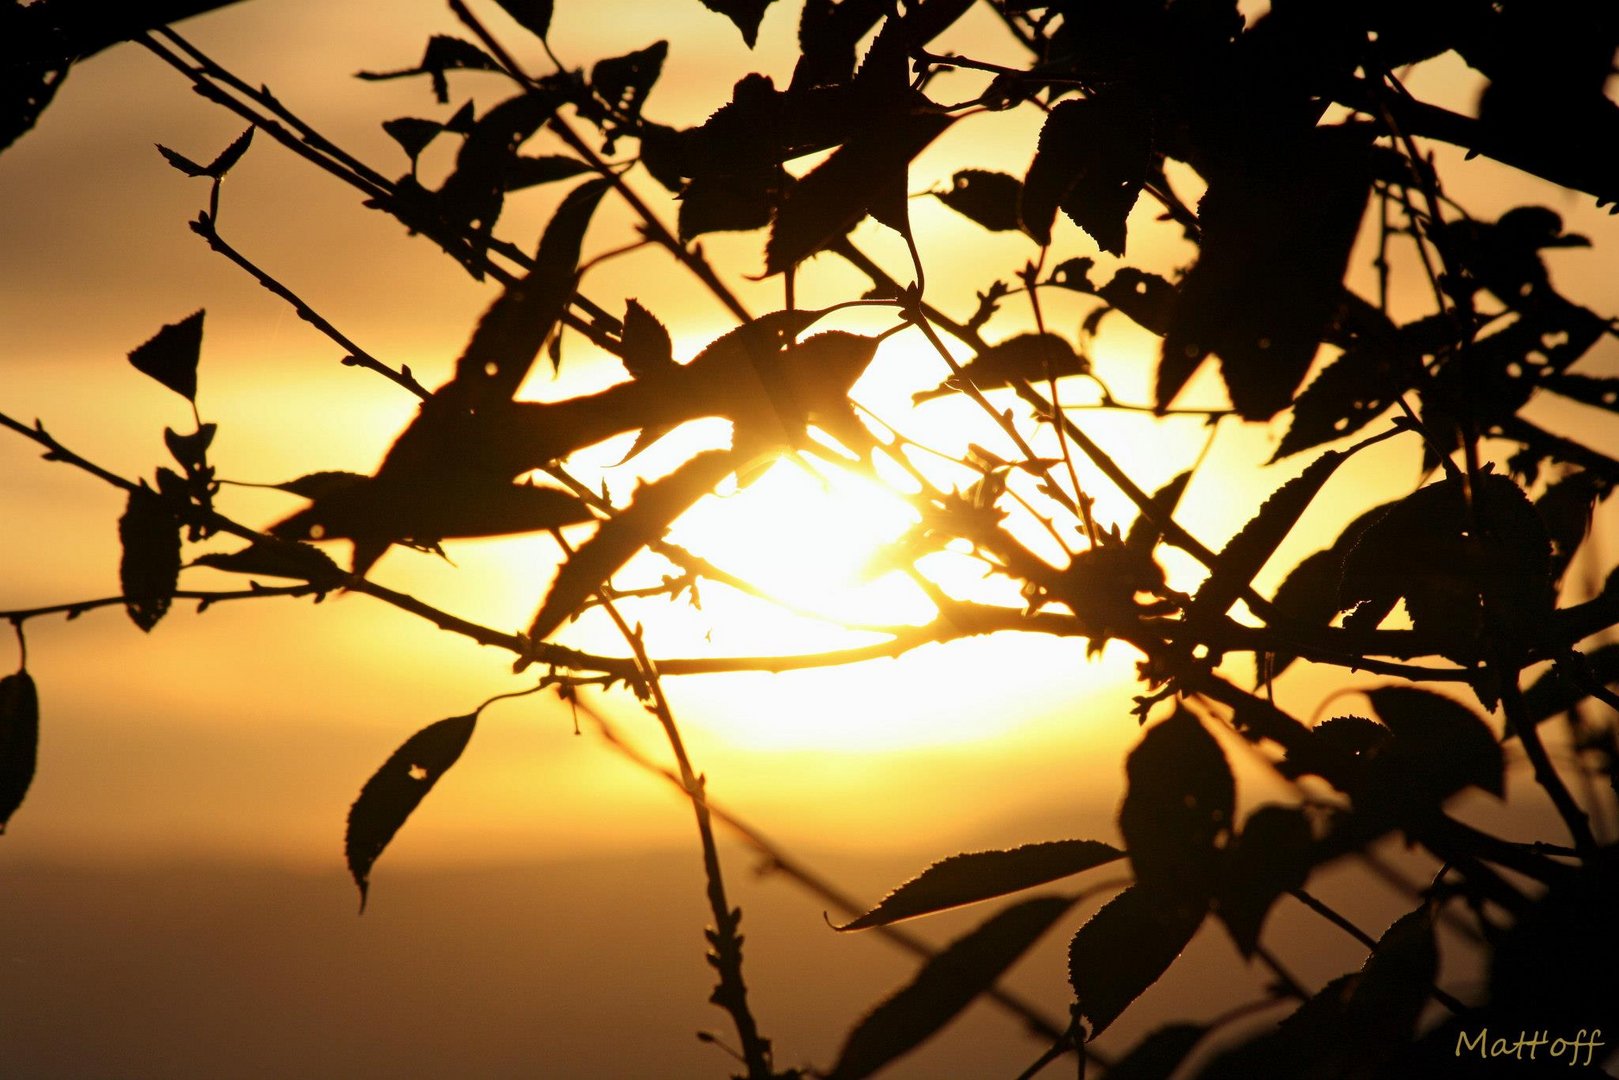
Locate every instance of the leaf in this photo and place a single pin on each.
(318, 485)
(1349, 393)
(1308, 596)
(1271, 856)
(524, 172)
(395, 790)
(473, 195)
(989, 198)
(229, 156)
(1157, 1056)
(1255, 542)
(19, 741)
(1144, 535)
(1395, 981)
(1023, 358)
(443, 54)
(1441, 745)
(625, 81)
(648, 350)
(1122, 950)
(171, 355)
(844, 188)
(191, 451)
(945, 986)
(652, 510)
(532, 15)
(1557, 691)
(1277, 233)
(1565, 509)
(1146, 299)
(1092, 159)
(149, 570)
(413, 134)
(1342, 749)
(1179, 800)
(445, 506)
(181, 162)
(982, 875)
(512, 332)
(277, 558)
(745, 15)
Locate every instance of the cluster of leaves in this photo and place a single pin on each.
(1127, 88)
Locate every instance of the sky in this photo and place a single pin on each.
(216, 758)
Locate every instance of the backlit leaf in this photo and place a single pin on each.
(149, 570)
(945, 986)
(1144, 535)
(532, 15)
(1557, 691)
(1271, 856)
(395, 790)
(1091, 162)
(648, 349)
(443, 54)
(1122, 950)
(523, 172)
(318, 485)
(989, 198)
(444, 507)
(19, 741)
(229, 156)
(412, 133)
(1349, 393)
(171, 355)
(1022, 358)
(652, 510)
(625, 81)
(1277, 233)
(181, 162)
(1440, 743)
(1254, 544)
(982, 875)
(1179, 800)
(1396, 980)
(1308, 596)
(277, 558)
(744, 14)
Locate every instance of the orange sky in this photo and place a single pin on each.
(244, 734)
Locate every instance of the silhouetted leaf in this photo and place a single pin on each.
(1023, 358)
(1091, 162)
(1146, 299)
(473, 195)
(1307, 596)
(523, 172)
(989, 198)
(1122, 950)
(1254, 544)
(648, 350)
(19, 741)
(1179, 800)
(512, 332)
(443, 54)
(181, 162)
(1557, 691)
(1600, 392)
(744, 14)
(1157, 1056)
(625, 81)
(1440, 743)
(149, 570)
(277, 558)
(1074, 274)
(171, 355)
(652, 510)
(981, 875)
(413, 134)
(1396, 980)
(1349, 393)
(1565, 509)
(446, 506)
(318, 485)
(1144, 535)
(1450, 557)
(229, 156)
(532, 15)
(395, 790)
(1271, 856)
(1276, 237)
(836, 194)
(947, 984)
(191, 451)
